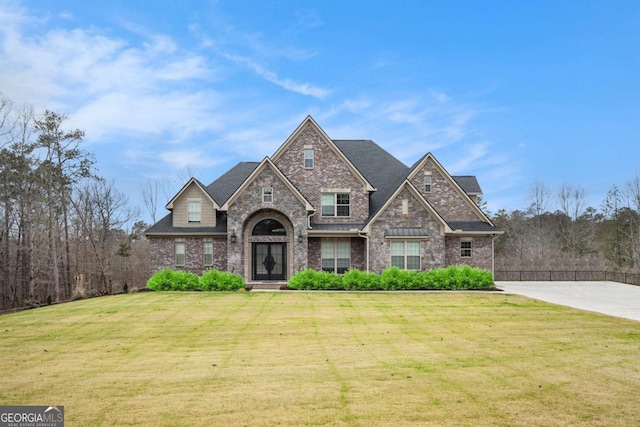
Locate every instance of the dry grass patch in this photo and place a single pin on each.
(341, 358)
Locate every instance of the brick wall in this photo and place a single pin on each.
(248, 209)
(162, 252)
(482, 252)
(449, 204)
(358, 253)
(329, 172)
(432, 248)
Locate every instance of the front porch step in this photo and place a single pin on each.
(272, 286)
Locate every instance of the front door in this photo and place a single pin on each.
(269, 261)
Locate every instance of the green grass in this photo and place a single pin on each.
(295, 358)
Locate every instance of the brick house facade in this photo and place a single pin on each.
(324, 204)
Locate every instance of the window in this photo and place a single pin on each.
(269, 227)
(335, 204)
(465, 248)
(336, 255)
(207, 253)
(405, 255)
(180, 251)
(308, 158)
(194, 209)
(427, 183)
(267, 195)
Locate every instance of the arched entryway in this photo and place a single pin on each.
(268, 237)
(269, 258)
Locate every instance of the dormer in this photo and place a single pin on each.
(193, 206)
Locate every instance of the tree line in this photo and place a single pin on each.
(63, 231)
(559, 231)
(67, 233)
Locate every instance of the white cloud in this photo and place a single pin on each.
(286, 83)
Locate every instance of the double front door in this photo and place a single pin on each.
(269, 261)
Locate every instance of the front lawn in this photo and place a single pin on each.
(297, 358)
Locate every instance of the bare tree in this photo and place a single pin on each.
(65, 164)
(101, 212)
(150, 197)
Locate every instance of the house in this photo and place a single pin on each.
(324, 204)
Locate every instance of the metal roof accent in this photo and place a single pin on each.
(407, 232)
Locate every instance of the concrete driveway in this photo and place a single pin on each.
(614, 299)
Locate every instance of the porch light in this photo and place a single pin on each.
(234, 238)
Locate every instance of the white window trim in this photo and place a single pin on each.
(404, 254)
(428, 183)
(312, 158)
(334, 243)
(266, 195)
(470, 249)
(335, 204)
(190, 202)
(204, 254)
(183, 254)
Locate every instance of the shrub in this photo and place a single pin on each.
(455, 277)
(304, 279)
(214, 280)
(356, 280)
(394, 278)
(172, 280)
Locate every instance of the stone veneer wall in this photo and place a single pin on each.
(432, 247)
(249, 204)
(481, 252)
(449, 204)
(163, 253)
(329, 172)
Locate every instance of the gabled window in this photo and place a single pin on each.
(309, 158)
(405, 255)
(336, 255)
(336, 204)
(267, 194)
(194, 210)
(466, 248)
(180, 254)
(207, 253)
(427, 183)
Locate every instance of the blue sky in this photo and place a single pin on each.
(512, 92)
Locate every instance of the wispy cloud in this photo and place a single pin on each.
(286, 83)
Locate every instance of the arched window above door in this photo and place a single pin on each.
(269, 227)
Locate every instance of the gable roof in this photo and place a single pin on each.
(165, 227)
(469, 184)
(191, 182)
(444, 226)
(456, 186)
(266, 163)
(380, 168)
(308, 121)
(223, 187)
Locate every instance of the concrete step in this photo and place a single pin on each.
(266, 285)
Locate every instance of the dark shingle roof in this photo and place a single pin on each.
(468, 183)
(472, 226)
(222, 188)
(380, 168)
(165, 225)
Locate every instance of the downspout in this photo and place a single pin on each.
(493, 256)
(366, 238)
